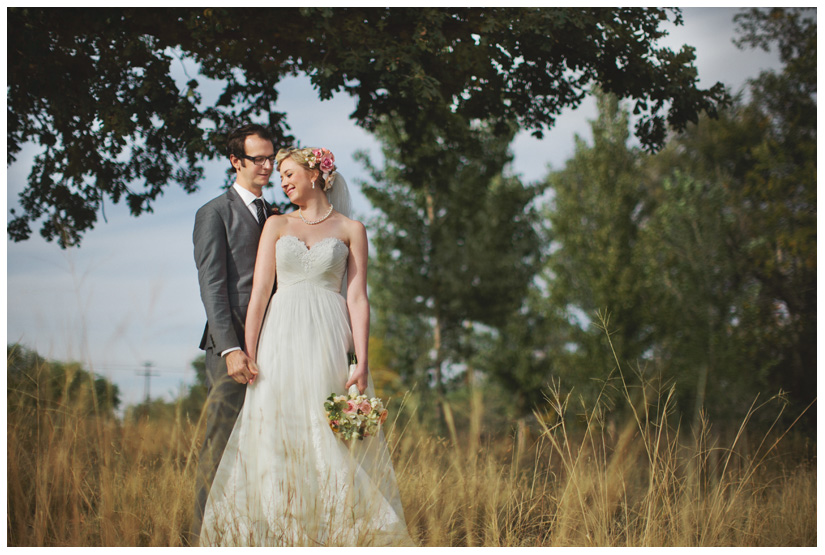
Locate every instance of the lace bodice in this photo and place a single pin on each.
(322, 265)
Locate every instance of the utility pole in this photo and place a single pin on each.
(147, 373)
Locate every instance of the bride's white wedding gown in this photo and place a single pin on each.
(285, 479)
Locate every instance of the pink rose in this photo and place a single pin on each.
(318, 152)
(327, 163)
(365, 407)
(351, 407)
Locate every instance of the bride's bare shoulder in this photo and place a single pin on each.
(353, 226)
(273, 227)
(276, 221)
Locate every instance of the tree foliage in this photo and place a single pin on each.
(525, 355)
(92, 87)
(598, 206)
(697, 302)
(761, 156)
(33, 381)
(94, 92)
(705, 253)
(460, 251)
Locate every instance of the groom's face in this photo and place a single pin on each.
(250, 176)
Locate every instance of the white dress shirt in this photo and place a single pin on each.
(248, 197)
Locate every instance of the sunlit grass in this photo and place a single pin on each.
(582, 479)
(641, 484)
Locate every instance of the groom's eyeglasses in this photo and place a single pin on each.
(259, 160)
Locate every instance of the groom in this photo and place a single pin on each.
(227, 231)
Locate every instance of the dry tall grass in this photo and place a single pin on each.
(647, 486)
(75, 480)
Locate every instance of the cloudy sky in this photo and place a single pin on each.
(129, 295)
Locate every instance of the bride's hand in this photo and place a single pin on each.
(253, 367)
(359, 378)
(240, 367)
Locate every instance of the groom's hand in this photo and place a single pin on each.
(240, 367)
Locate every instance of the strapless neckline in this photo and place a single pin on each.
(323, 264)
(307, 247)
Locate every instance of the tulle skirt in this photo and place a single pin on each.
(285, 479)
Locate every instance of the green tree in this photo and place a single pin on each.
(781, 190)
(198, 389)
(745, 207)
(32, 381)
(697, 302)
(118, 126)
(704, 254)
(522, 356)
(453, 255)
(192, 404)
(600, 201)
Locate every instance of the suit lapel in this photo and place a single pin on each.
(237, 204)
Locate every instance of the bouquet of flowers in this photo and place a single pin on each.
(354, 416)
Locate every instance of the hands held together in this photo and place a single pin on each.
(241, 367)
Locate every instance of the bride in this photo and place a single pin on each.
(285, 479)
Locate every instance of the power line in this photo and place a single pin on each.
(117, 367)
(147, 373)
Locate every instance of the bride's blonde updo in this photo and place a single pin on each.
(311, 158)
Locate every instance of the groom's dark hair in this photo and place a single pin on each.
(237, 138)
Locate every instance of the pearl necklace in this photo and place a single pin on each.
(301, 214)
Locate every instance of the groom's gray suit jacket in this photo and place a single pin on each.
(226, 239)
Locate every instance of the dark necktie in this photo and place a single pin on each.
(259, 205)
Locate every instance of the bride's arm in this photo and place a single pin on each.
(262, 282)
(358, 304)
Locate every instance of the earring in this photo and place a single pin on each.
(313, 184)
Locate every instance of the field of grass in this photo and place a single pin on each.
(80, 479)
